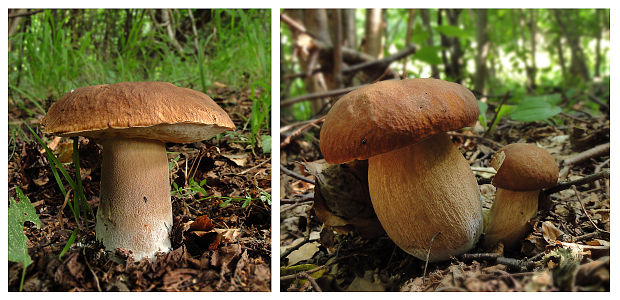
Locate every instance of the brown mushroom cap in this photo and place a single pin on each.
(392, 114)
(151, 110)
(524, 167)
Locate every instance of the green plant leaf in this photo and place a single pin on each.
(428, 54)
(20, 212)
(266, 143)
(451, 31)
(503, 111)
(482, 117)
(537, 108)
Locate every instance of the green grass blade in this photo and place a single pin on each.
(68, 244)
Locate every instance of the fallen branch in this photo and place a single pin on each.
(295, 175)
(585, 155)
(331, 93)
(301, 130)
(293, 248)
(567, 185)
(586, 212)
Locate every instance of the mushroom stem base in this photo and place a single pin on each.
(508, 218)
(423, 189)
(134, 211)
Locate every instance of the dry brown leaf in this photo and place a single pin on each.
(550, 232)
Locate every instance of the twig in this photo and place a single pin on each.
(486, 133)
(91, 269)
(254, 167)
(480, 256)
(384, 62)
(294, 276)
(293, 248)
(585, 211)
(315, 286)
(301, 130)
(428, 254)
(295, 175)
(590, 153)
(598, 101)
(587, 236)
(62, 208)
(331, 93)
(567, 185)
(23, 14)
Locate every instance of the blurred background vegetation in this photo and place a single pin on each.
(54, 51)
(545, 62)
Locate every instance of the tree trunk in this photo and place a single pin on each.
(599, 37)
(349, 34)
(426, 19)
(372, 39)
(408, 40)
(454, 61)
(531, 74)
(482, 42)
(566, 18)
(561, 59)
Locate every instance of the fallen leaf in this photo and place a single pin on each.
(550, 232)
(304, 252)
(239, 159)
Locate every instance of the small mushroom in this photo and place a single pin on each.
(133, 121)
(522, 171)
(420, 184)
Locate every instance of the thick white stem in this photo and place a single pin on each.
(134, 211)
(423, 189)
(508, 217)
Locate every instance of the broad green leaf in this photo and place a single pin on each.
(266, 142)
(428, 54)
(420, 35)
(482, 117)
(451, 31)
(503, 111)
(20, 212)
(534, 109)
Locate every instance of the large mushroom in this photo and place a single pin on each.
(420, 184)
(133, 121)
(522, 171)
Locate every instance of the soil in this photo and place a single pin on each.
(228, 249)
(566, 248)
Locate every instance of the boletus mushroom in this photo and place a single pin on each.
(522, 171)
(133, 121)
(420, 185)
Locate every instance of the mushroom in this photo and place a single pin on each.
(522, 171)
(133, 121)
(420, 184)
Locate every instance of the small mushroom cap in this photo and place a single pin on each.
(150, 110)
(524, 167)
(392, 114)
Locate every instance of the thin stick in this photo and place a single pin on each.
(290, 250)
(294, 276)
(486, 133)
(567, 185)
(91, 270)
(295, 175)
(586, 212)
(590, 153)
(331, 93)
(254, 167)
(428, 254)
(301, 130)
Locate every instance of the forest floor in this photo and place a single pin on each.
(567, 248)
(228, 249)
